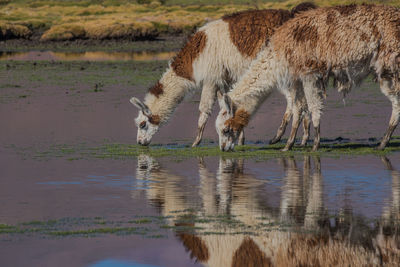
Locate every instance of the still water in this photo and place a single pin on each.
(86, 56)
(306, 210)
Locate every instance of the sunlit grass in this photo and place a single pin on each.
(98, 19)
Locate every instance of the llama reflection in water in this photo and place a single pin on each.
(245, 230)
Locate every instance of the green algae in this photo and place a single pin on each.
(180, 152)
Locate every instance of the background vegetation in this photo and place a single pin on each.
(58, 20)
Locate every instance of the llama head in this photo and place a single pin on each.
(146, 122)
(229, 123)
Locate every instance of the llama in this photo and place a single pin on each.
(345, 42)
(213, 58)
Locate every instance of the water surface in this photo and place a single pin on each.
(86, 56)
(180, 212)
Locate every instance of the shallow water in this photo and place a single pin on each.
(224, 202)
(180, 212)
(86, 56)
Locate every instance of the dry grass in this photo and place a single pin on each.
(65, 20)
(8, 30)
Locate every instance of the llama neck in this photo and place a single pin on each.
(170, 91)
(266, 73)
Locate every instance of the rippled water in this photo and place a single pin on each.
(86, 56)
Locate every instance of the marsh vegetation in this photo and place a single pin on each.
(56, 20)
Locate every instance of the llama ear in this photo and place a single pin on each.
(140, 105)
(226, 102)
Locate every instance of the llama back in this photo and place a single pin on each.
(232, 43)
(344, 41)
(218, 54)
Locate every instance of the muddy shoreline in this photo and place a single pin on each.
(163, 43)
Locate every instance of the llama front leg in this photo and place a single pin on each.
(295, 127)
(317, 138)
(314, 97)
(208, 96)
(387, 89)
(241, 138)
(306, 129)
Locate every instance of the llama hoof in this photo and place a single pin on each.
(274, 141)
(303, 144)
(285, 149)
(196, 143)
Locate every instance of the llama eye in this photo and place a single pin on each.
(142, 124)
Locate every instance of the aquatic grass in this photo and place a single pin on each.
(177, 152)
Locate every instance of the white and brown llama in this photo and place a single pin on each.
(212, 59)
(347, 43)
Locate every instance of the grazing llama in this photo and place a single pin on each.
(213, 58)
(252, 232)
(345, 42)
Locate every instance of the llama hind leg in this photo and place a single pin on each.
(208, 96)
(386, 88)
(285, 120)
(314, 97)
(306, 129)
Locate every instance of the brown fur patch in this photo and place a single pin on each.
(316, 65)
(249, 30)
(364, 37)
(346, 10)
(397, 31)
(250, 255)
(155, 119)
(182, 64)
(330, 18)
(239, 120)
(196, 246)
(304, 33)
(375, 31)
(157, 89)
(302, 7)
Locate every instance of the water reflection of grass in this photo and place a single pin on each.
(157, 226)
(148, 227)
